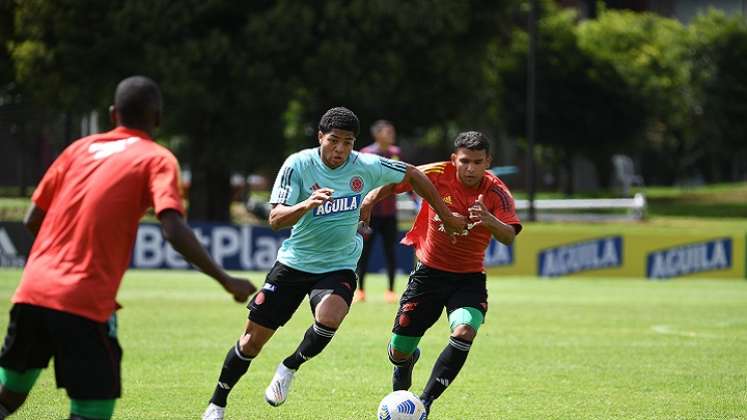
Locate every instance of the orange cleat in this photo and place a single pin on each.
(359, 296)
(390, 296)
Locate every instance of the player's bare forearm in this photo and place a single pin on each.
(282, 216)
(182, 238)
(34, 218)
(502, 232)
(184, 241)
(374, 197)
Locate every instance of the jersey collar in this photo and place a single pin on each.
(122, 131)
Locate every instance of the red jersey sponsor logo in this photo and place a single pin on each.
(356, 184)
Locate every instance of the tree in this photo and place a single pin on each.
(719, 56)
(649, 53)
(245, 83)
(584, 106)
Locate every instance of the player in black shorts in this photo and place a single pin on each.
(451, 272)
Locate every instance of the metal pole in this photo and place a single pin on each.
(531, 97)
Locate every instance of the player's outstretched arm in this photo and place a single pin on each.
(184, 241)
(425, 188)
(282, 216)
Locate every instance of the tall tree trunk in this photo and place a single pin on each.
(210, 190)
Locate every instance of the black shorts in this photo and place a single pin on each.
(429, 291)
(285, 288)
(86, 353)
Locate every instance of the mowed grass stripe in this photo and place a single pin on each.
(560, 349)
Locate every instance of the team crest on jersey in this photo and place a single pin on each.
(338, 205)
(356, 184)
(447, 199)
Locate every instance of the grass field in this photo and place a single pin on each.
(561, 349)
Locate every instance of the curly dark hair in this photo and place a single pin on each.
(472, 140)
(137, 98)
(340, 118)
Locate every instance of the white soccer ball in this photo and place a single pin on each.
(401, 405)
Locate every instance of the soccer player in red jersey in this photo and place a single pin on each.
(450, 272)
(384, 217)
(85, 215)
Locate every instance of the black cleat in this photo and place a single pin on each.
(402, 375)
(427, 404)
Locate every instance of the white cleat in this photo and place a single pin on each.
(277, 391)
(213, 412)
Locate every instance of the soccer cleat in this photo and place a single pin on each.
(402, 375)
(277, 392)
(359, 296)
(427, 404)
(214, 412)
(390, 296)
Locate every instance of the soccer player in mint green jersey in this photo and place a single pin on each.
(318, 192)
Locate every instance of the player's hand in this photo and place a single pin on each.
(319, 197)
(455, 224)
(241, 289)
(364, 229)
(479, 213)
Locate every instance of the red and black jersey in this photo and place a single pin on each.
(433, 246)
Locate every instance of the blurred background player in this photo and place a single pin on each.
(450, 274)
(383, 217)
(85, 214)
(318, 193)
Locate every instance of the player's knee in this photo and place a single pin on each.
(331, 311)
(401, 347)
(465, 322)
(250, 346)
(464, 332)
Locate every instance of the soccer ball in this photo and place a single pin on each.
(401, 405)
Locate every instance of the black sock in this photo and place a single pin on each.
(447, 367)
(316, 338)
(234, 367)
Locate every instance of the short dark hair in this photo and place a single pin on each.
(137, 99)
(340, 118)
(472, 140)
(379, 125)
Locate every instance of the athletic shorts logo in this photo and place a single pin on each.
(403, 320)
(594, 254)
(270, 287)
(356, 184)
(690, 258)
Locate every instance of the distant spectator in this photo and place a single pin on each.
(384, 216)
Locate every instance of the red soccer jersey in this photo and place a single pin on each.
(94, 194)
(433, 246)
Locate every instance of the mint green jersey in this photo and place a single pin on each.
(325, 239)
